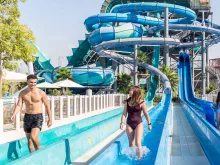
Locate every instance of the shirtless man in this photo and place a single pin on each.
(33, 118)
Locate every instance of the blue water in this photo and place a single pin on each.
(18, 149)
(151, 140)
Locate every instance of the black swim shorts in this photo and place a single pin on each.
(32, 121)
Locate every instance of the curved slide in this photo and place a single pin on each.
(95, 76)
(130, 34)
(100, 34)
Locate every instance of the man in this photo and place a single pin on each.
(33, 118)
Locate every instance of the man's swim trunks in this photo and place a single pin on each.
(32, 121)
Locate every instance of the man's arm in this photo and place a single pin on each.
(47, 107)
(18, 106)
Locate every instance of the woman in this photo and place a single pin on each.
(134, 126)
(130, 94)
(218, 110)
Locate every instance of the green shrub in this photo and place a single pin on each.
(175, 99)
(143, 93)
(54, 92)
(157, 99)
(68, 92)
(123, 83)
(210, 88)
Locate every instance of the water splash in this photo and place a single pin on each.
(133, 153)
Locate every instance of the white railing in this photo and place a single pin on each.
(62, 108)
(211, 97)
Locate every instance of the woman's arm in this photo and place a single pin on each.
(123, 116)
(144, 107)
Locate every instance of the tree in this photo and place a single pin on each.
(123, 83)
(5, 87)
(143, 58)
(173, 78)
(15, 38)
(64, 73)
(211, 88)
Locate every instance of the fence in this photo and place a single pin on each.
(62, 107)
(211, 97)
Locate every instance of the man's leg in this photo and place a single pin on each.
(30, 142)
(34, 136)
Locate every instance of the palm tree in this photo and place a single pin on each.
(123, 83)
(173, 78)
(64, 73)
(143, 58)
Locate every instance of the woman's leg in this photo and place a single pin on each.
(218, 119)
(130, 134)
(138, 138)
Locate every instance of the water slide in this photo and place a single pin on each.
(84, 52)
(43, 64)
(81, 73)
(118, 152)
(106, 39)
(133, 30)
(158, 114)
(200, 112)
(186, 92)
(126, 14)
(84, 75)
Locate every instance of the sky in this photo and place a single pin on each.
(59, 24)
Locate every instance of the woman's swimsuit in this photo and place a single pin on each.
(134, 115)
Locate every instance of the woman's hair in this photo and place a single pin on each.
(125, 101)
(218, 99)
(136, 96)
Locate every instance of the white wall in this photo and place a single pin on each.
(124, 69)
